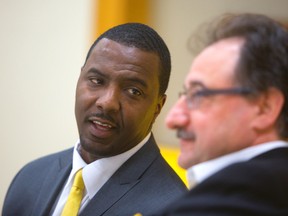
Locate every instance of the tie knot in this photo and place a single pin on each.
(78, 180)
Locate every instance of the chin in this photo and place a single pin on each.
(183, 163)
(92, 148)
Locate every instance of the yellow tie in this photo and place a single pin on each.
(72, 205)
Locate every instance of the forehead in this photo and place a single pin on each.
(215, 65)
(109, 55)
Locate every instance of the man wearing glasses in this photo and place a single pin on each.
(232, 122)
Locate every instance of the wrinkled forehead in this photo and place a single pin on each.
(215, 65)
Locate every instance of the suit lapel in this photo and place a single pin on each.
(123, 180)
(110, 193)
(53, 184)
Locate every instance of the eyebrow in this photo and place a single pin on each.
(138, 80)
(131, 79)
(194, 84)
(96, 72)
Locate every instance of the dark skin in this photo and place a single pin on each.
(117, 99)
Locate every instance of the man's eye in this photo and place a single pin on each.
(134, 92)
(96, 81)
(196, 95)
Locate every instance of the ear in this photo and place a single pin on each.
(160, 104)
(269, 106)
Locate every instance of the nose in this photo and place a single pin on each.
(178, 116)
(109, 100)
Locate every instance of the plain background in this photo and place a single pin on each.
(43, 45)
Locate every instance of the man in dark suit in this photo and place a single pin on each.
(232, 122)
(119, 94)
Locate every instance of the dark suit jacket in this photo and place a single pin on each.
(253, 188)
(144, 183)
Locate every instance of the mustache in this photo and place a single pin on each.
(186, 135)
(102, 115)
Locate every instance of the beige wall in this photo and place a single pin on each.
(43, 45)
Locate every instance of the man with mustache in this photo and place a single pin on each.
(232, 122)
(119, 94)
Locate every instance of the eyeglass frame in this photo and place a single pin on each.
(206, 92)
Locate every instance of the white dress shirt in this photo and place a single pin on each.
(198, 173)
(95, 174)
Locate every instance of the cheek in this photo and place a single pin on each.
(83, 102)
(202, 124)
(210, 129)
(225, 131)
(239, 127)
(141, 115)
(139, 118)
(220, 130)
(84, 96)
(235, 119)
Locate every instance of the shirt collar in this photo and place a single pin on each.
(196, 174)
(98, 172)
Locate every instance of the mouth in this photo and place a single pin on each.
(103, 125)
(101, 129)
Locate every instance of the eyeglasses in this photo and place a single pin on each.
(194, 95)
